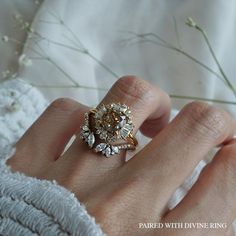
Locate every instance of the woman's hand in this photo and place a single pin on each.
(120, 194)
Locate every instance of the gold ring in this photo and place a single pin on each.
(105, 126)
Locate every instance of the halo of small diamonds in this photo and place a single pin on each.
(110, 123)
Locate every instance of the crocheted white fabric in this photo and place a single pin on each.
(29, 206)
(20, 105)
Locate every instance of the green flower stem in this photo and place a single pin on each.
(102, 65)
(197, 61)
(62, 71)
(69, 86)
(84, 51)
(202, 99)
(56, 65)
(169, 46)
(204, 34)
(106, 89)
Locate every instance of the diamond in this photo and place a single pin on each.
(91, 140)
(125, 131)
(107, 152)
(98, 131)
(123, 108)
(84, 134)
(103, 135)
(100, 147)
(114, 150)
(103, 108)
(85, 128)
(122, 121)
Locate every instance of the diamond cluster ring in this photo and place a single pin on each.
(106, 126)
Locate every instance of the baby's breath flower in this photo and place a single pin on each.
(23, 24)
(17, 17)
(190, 22)
(8, 74)
(5, 38)
(24, 60)
(31, 30)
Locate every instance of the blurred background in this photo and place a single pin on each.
(79, 48)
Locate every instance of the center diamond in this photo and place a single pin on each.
(113, 122)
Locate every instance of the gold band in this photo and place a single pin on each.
(133, 139)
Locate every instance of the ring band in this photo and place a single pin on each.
(105, 126)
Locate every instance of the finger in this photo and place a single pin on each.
(212, 198)
(174, 153)
(46, 139)
(149, 105)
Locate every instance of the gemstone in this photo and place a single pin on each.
(125, 131)
(84, 134)
(91, 140)
(107, 152)
(114, 150)
(123, 108)
(122, 121)
(99, 114)
(103, 135)
(100, 147)
(85, 128)
(103, 108)
(98, 131)
(115, 106)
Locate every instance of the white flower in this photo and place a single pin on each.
(8, 74)
(24, 60)
(5, 38)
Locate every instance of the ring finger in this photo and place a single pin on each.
(150, 109)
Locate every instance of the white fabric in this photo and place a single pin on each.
(99, 25)
(29, 206)
(20, 105)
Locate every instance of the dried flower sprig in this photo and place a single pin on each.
(41, 53)
(79, 47)
(190, 22)
(156, 39)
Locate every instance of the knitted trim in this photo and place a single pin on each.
(29, 206)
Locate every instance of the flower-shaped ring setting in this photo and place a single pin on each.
(106, 126)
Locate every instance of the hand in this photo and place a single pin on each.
(120, 194)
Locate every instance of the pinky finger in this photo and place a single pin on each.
(212, 199)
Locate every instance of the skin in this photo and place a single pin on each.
(122, 194)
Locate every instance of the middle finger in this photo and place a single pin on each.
(150, 109)
(172, 155)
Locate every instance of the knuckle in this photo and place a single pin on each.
(226, 164)
(229, 153)
(207, 119)
(63, 104)
(133, 87)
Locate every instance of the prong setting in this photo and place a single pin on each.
(108, 123)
